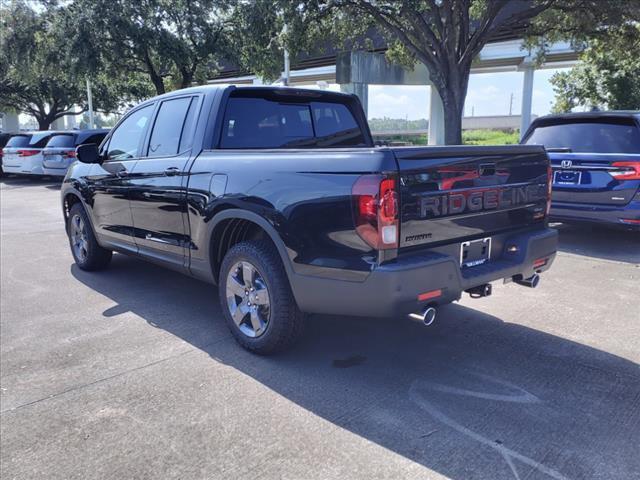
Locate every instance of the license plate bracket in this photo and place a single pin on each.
(475, 252)
(567, 177)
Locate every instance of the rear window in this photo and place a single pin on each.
(61, 141)
(589, 136)
(40, 139)
(252, 122)
(18, 141)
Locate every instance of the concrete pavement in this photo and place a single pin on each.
(131, 373)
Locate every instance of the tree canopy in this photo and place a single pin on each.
(39, 76)
(608, 76)
(447, 35)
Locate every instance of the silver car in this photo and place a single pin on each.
(60, 151)
(23, 153)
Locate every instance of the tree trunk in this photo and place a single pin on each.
(44, 123)
(453, 93)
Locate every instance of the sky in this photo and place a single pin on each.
(488, 94)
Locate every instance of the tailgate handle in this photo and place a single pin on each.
(487, 169)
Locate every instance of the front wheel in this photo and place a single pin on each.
(86, 251)
(256, 298)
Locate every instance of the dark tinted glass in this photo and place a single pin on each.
(18, 141)
(262, 123)
(127, 136)
(62, 141)
(167, 129)
(40, 139)
(95, 139)
(186, 139)
(619, 136)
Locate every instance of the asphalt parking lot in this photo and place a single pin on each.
(131, 373)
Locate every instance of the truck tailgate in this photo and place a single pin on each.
(459, 193)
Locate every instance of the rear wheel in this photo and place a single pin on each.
(256, 298)
(86, 251)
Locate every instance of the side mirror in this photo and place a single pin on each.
(88, 153)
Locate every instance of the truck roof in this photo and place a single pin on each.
(309, 92)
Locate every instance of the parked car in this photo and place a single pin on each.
(60, 150)
(4, 138)
(23, 152)
(596, 166)
(280, 197)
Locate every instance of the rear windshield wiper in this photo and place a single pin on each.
(558, 149)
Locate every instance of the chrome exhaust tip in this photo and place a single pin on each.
(427, 317)
(531, 282)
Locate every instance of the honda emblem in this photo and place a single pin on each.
(566, 164)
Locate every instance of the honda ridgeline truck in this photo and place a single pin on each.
(281, 198)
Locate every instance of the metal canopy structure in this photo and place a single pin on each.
(355, 71)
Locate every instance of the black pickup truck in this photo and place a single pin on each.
(281, 198)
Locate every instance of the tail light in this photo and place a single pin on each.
(27, 153)
(549, 189)
(627, 171)
(70, 154)
(376, 210)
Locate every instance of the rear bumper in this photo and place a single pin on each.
(597, 214)
(28, 166)
(393, 288)
(54, 172)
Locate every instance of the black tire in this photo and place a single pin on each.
(285, 320)
(96, 257)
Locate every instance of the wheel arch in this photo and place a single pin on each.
(232, 226)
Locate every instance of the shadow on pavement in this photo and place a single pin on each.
(605, 243)
(23, 181)
(474, 396)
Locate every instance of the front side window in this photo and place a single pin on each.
(253, 122)
(168, 127)
(127, 136)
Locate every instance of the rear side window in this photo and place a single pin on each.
(62, 141)
(262, 123)
(167, 129)
(589, 136)
(18, 141)
(40, 139)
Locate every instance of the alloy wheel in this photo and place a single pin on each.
(248, 299)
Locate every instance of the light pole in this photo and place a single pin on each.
(90, 103)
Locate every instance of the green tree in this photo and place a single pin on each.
(172, 43)
(37, 74)
(447, 35)
(608, 76)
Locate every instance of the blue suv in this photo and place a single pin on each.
(595, 157)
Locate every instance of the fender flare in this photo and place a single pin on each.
(262, 223)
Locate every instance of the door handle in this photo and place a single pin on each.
(171, 171)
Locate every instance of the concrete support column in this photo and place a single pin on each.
(10, 122)
(58, 124)
(436, 119)
(527, 95)
(361, 90)
(71, 121)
